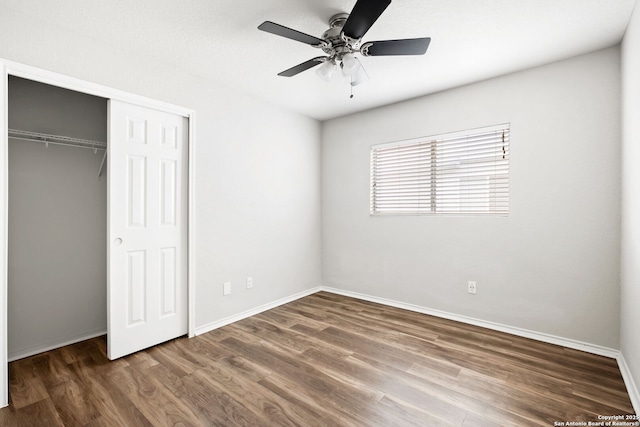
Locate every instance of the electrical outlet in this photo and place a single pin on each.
(226, 288)
(471, 287)
(249, 282)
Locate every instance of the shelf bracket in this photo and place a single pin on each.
(102, 163)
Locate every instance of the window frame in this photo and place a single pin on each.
(431, 167)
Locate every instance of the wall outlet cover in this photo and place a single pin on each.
(471, 287)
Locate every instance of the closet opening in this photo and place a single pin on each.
(57, 217)
(137, 281)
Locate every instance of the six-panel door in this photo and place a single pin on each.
(147, 277)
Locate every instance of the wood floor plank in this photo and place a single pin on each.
(42, 414)
(403, 413)
(114, 408)
(363, 345)
(306, 375)
(67, 392)
(287, 338)
(378, 377)
(245, 367)
(9, 416)
(26, 386)
(273, 409)
(379, 330)
(298, 316)
(183, 389)
(333, 392)
(322, 360)
(153, 401)
(174, 358)
(204, 347)
(320, 414)
(217, 406)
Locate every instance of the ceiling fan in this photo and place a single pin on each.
(344, 38)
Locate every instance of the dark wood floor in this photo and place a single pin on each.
(324, 360)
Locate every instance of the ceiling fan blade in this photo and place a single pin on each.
(396, 47)
(362, 17)
(302, 67)
(280, 30)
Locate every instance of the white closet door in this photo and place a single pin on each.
(147, 277)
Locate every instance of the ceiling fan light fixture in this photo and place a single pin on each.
(350, 64)
(360, 76)
(326, 70)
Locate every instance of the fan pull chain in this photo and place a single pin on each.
(351, 87)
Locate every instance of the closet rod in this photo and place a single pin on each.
(56, 139)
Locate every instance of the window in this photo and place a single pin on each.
(461, 173)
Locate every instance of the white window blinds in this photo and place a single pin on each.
(465, 173)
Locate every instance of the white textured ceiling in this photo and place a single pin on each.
(472, 40)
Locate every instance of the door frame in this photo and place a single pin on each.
(10, 68)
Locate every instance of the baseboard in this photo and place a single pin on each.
(21, 354)
(632, 388)
(236, 317)
(552, 339)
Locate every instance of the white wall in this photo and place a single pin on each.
(552, 266)
(630, 266)
(257, 166)
(57, 220)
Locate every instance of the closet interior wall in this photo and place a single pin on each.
(57, 266)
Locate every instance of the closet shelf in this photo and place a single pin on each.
(56, 139)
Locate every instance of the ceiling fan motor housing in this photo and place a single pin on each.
(338, 44)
